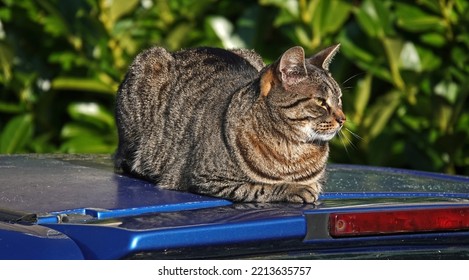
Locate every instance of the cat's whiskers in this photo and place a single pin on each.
(341, 133)
(341, 137)
(350, 131)
(349, 141)
(354, 76)
(354, 134)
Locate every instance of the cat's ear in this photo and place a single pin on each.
(292, 66)
(267, 80)
(323, 58)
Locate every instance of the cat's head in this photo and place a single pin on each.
(303, 94)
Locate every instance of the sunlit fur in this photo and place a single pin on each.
(221, 123)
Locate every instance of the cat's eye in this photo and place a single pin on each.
(322, 103)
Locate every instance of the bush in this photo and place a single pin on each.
(403, 67)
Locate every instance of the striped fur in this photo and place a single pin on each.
(223, 124)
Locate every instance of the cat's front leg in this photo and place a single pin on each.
(255, 192)
(294, 193)
(302, 193)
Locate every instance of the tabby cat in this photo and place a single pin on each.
(221, 123)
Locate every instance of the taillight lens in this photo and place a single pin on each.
(398, 221)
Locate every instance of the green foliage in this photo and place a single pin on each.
(403, 67)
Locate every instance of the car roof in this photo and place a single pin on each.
(48, 185)
(44, 184)
(82, 197)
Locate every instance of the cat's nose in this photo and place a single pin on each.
(341, 120)
(340, 117)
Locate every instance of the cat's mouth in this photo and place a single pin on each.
(313, 136)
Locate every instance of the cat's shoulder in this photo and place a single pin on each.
(251, 56)
(154, 56)
(234, 57)
(240, 59)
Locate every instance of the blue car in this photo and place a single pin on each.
(76, 207)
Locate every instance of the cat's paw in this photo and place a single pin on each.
(303, 194)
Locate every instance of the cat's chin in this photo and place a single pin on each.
(313, 136)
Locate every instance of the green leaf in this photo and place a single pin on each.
(330, 22)
(112, 11)
(224, 30)
(411, 18)
(409, 58)
(86, 144)
(82, 84)
(393, 48)
(249, 25)
(362, 96)
(291, 6)
(433, 39)
(121, 7)
(55, 26)
(463, 38)
(462, 6)
(366, 59)
(92, 113)
(78, 129)
(375, 18)
(178, 35)
(68, 59)
(6, 61)
(10, 107)
(349, 47)
(460, 57)
(428, 59)
(288, 11)
(284, 18)
(302, 35)
(448, 90)
(16, 134)
(54, 23)
(42, 144)
(433, 5)
(381, 112)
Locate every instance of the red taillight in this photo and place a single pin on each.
(398, 221)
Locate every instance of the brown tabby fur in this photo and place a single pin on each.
(221, 123)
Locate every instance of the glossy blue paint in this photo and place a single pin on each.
(103, 215)
(64, 185)
(98, 242)
(423, 240)
(106, 214)
(380, 207)
(125, 212)
(363, 180)
(409, 172)
(375, 195)
(32, 242)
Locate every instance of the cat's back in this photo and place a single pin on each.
(209, 56)
(158, 79)
(168, 99)
(157, 65)
(192, 74)
(213, 66)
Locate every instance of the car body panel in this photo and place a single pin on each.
(111, 216)
(55, 186)
(19, 241)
